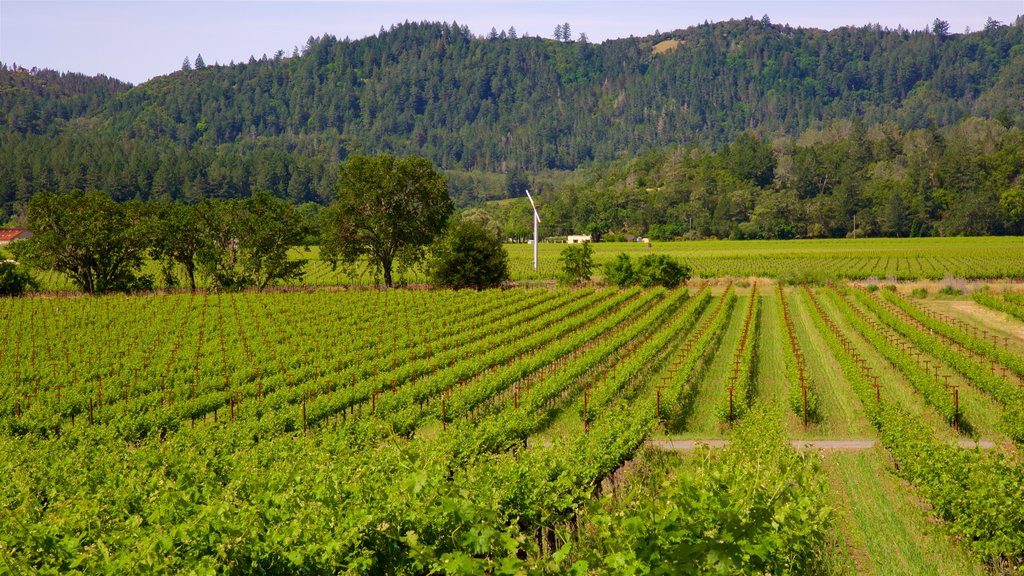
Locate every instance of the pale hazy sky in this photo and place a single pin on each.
(135, 40)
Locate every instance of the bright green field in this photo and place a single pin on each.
(896, 258)
(882, 258)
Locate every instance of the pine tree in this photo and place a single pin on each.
(199, 62)
(186, 65)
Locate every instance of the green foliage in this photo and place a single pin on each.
(661, 270)
(620, 271)
(920, 292)
(751, 159)
(15, 280)
(469, 255)
(650, 270)
(755, 507)
(576, 264)
(245, 243)
(386, 210)
(950, 291)
(98, 243)
(178, 241)
(509, 108)
(268, 229)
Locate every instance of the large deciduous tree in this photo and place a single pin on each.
(178, 241)
(387, 211)
(98, 243)
(268, 229)
(246, 243)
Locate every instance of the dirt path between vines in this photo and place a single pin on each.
(997, 319)
(829, 445)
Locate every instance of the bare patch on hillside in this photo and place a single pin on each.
(665, 46)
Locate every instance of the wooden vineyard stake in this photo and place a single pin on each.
(956, 409)
(373, 401)
(586, 399)
(803, 388)
(731, 390)
(658, 389)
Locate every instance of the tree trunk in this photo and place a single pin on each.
(386, 265)
(190, 271)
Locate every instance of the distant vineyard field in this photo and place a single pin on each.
(879, 258)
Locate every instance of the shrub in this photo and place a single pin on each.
(950, 291)
(577, 264)
(650, 270)
(469, 255)
(919, 292)
(661, 269)
(15, 279)
(620, 271)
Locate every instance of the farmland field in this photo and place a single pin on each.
(879, 258)
(882, 258)
(505, 431)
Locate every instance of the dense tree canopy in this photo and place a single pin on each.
(962, 180)
(387, 210)
(100, 244)
(739, 128)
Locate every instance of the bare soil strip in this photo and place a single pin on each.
(828, 445)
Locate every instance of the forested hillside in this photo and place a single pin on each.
(494, 103)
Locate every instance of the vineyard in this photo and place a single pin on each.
(514, 431)
(878, 258)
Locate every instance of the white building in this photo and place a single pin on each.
(578, 239)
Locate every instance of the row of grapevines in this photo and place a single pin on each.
(641, 361)
(404, 412)
(974, 492)
(928, 320)
(690, 365)
(744, 365)
(989, 300)
(1003, 390)
(322, 399)
(537, 404)
(933, 391)
(404, 383)
(803, 398)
